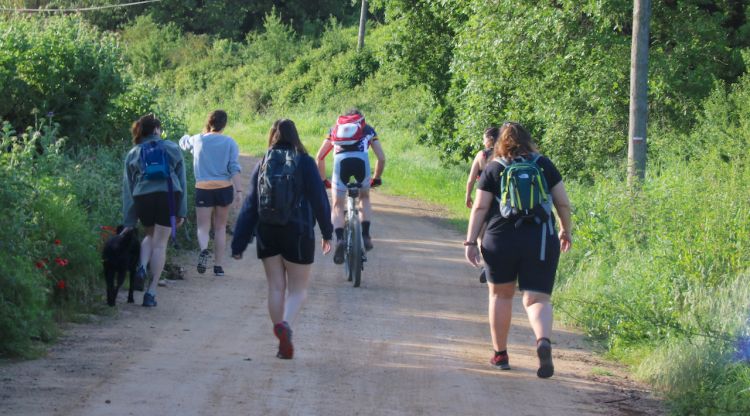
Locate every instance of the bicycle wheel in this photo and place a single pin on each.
(354, 253)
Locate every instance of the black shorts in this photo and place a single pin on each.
(214, 197)
(154, 208)
(514, 253)
(287, 240)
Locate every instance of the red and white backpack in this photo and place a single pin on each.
(348, 130)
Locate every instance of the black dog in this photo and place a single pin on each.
(120, 255)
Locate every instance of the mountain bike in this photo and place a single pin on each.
(354, 252)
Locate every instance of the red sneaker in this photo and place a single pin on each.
(284, 333)
(500, 360)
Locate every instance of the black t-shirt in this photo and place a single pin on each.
(490, 182)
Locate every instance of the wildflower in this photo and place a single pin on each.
(57, 242)
(61, 262)
(39, 264)
(50, 114)
(60, 284)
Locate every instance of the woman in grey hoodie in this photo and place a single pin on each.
(217, 184)
(153, 191)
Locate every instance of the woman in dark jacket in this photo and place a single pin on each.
(287, 250)
(517, 248)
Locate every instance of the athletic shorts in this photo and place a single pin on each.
(514, 254)
(348, 165)
(154, 208)
(214, 197)
(285, 240)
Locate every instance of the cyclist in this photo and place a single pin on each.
(480, 162)
(350, 140)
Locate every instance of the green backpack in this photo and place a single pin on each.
(524, 194)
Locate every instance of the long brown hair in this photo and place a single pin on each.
(144, 127)
(284, 131)
(217, 120)
(514, 141)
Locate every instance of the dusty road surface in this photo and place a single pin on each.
(413, 340)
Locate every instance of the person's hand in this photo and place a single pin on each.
(125, 230)
(472, 256)
(469, 201)
(237, 256)
(327, 183)
(375, 182)
(237, 201)
(326, 246)
(180, 221)
(566, 241)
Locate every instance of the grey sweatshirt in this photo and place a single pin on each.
(215, 156)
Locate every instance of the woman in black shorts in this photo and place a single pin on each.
(511, 249)
(288, 250)
(146, 196)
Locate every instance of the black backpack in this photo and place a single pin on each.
(279, 186)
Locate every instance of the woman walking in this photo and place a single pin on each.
(282, 214)
(481, 159)
(217, 184)
(154, 193)
(519, 245)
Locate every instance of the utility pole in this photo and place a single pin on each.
(638, 91)
(362, 22)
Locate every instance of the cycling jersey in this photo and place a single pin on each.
(359, 167)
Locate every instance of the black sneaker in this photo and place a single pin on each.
(368, 242)
(483, 276)
(218, 271)
(544, 352)
(338, 254)
(202, 260)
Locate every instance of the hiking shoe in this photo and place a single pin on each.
(368, 242)
(139, 281)
(218, 271)
(284, 333)
(162, 283)
(483, 276)
(338, 254)
(149, 300)
(202, 260)
(544, 352)
(500, 360)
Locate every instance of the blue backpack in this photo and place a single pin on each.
(154, 160)
(155, 167)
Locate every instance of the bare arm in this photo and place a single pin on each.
(320, 158)
(478, 214)
(562, 206)
(472, 179)
(380, 164)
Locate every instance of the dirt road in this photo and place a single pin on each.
(413, 340)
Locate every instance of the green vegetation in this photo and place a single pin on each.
(657, 275)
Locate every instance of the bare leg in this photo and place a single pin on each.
(276, 277)
(203, 215)
(159, 242)
(500, 313)
(539, 310)
(339, 206)
(146, 246)
(365, 206)
(298, 279)
(221, 215)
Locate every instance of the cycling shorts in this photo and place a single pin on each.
(348, 165)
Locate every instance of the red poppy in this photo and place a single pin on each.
(57, 242)
(61, 262)
(39, 264)
(60, 284)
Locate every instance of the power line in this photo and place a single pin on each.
(82, 9)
